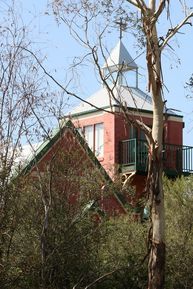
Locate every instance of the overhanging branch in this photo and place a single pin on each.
(173, 31)
(61, 86)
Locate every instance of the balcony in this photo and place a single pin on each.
(177, 160)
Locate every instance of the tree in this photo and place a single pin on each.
(79, 17)
(179, 231)
(65, 192)
(18, 105)
(57, 233)
(21, 95)
(81, 254)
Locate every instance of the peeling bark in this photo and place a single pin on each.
(156, 266)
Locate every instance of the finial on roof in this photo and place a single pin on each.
(122, 26)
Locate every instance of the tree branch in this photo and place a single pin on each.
(134, 3)
(140, 4)
(100, 278)
(159, 10)
(61, 86)
(173, 31)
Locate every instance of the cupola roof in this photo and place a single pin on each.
(119, 59)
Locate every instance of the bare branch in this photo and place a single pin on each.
(159, 10)
(133, 2)
(61, 86)
(110, 90)
(75, 286)
(100, 278)
(139, 4)
(173, 31)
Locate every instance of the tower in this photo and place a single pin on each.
(120, 64)
(114, 141)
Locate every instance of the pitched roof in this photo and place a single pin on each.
(119, 58)
(132, 97)
(55, 135)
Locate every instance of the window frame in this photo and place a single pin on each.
(99, 152)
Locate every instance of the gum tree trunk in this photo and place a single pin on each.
(156, 264)
(156, 238)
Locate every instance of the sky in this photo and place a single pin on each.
(59, 48)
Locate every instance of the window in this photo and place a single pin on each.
(99, 139)
(89, 135)
(94, 135)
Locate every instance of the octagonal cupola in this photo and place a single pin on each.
(119, 67)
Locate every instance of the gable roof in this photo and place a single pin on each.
(131, 97)
(54, 137)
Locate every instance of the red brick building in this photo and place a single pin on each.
(122, 147)
(67, 157)
(118, 147)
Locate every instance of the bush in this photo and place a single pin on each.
(179, 233)
(79, 251)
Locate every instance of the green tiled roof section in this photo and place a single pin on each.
(42, 149)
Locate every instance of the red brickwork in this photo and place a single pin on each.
(71, 158)
(116, 129)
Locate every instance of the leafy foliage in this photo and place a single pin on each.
(179, 232)
(81, 251)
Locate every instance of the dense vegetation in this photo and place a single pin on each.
(80, 252)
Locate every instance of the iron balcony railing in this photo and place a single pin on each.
(176, 159)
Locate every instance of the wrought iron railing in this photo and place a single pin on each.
(176, 159)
